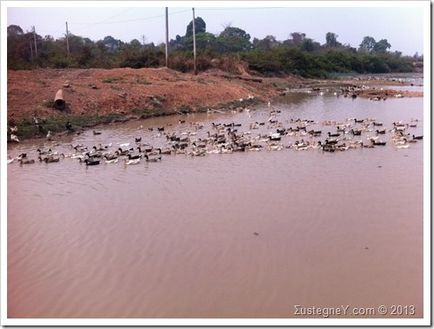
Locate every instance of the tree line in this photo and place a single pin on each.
(227, 51)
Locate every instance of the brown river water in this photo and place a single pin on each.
(247, 234)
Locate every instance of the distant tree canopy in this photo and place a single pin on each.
(381, 46)
(297, 38)
(233, 39)
(370, 45)
(14, 30)
(199, 26)
(332, 40)
(309, 45)
(367, 44)
(267, 43)
(268, 56)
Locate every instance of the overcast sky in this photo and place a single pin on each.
(402, 27)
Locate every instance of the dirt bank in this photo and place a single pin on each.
(99, 92)
(95, 96)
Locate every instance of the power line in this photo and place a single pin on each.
(107, 20)
(240, 8)
(51, 32)
(133, 20)
(104, 20)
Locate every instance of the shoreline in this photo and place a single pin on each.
(99, 97)
(82, 123)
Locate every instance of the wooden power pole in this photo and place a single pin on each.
(167, 37)
(194, 45)
(31, 51)
(34, 39)
(67, 39)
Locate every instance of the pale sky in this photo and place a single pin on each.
(402, 27)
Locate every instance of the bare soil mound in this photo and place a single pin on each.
(124, 91)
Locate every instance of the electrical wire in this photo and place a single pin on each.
(131, 20)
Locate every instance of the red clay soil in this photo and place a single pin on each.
(126, 91)
(99, 91)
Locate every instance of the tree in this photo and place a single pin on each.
(84, 58)
(233, 39)
(135, 44)
(309, 45)
(331, 40)
(235, 32)
(367, 44)
(267, 43)
(199, 26)
(204, 40)
(297, 38)
(111, 43)
(381, 46)
(14, 30)
(298, 55)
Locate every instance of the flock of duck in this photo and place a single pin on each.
(273, 134)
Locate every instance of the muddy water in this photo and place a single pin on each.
(227, 235)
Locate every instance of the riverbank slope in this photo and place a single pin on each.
(96, 96)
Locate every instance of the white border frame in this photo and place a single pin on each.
(426, 320)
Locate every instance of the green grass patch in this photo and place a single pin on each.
(56, 124)
(184, 109)
(112, 79)
(42, 83)
(143, 82)
(239, 103)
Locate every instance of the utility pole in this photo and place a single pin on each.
(31, 51)
(167, 37)
(67, 39)
(194, 45)
(34, 39)
(143, 40)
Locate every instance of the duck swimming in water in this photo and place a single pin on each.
(132, 161)
(134, 157)
(378, 143)
(356, 132)
(110, 157)
(26, 161)
(156, 159)
(14, 138)
(44, 152)
(91, 162)
(115, 160)
(49, 159)
(275, 137)
(225, 138)
(123, 152)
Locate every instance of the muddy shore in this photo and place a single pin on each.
(98, 96)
